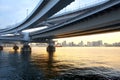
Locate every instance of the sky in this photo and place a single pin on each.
(15, 11)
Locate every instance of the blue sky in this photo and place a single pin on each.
(14, 11)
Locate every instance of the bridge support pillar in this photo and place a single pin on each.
(26, 48)
(51, 47)
(15, 47)
(1, 47)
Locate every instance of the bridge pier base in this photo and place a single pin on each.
(15, 47)
(1, 48)
(26, 48)
(51, 47)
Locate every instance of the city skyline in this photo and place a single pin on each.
(89, 43)
(105, 37)
(65, 43)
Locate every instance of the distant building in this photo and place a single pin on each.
(107, 45)
(72, 44)
(116, 44)
(89, 44)
(97, 43)
(64, 43)
(81, 44)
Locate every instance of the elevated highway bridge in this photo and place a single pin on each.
(98, 19)
(44, 10)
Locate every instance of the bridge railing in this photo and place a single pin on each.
(78, 5)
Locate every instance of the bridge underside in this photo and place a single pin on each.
(104, 21)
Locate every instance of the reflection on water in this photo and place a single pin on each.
(66, 63)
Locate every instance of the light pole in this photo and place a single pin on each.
(26, 12)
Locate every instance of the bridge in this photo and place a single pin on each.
(43, 10)
(93, 20)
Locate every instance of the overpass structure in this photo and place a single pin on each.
(103, 18)
(97, 19)
(44, 10)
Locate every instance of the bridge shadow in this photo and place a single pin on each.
(28, 70)
(25, 56)
(23, 63)
(50, 59)
(51, 69)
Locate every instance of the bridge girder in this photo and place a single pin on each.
(106, 20)
(43, 11)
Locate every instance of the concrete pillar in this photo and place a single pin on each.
(1, 47)
(15, 47)
(51, 46)
(26, 36)
(26, 48)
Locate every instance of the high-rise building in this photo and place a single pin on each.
(81, 43)
(89, 44)
(64, 43)
(97, 43)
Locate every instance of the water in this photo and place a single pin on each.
(67, 63)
